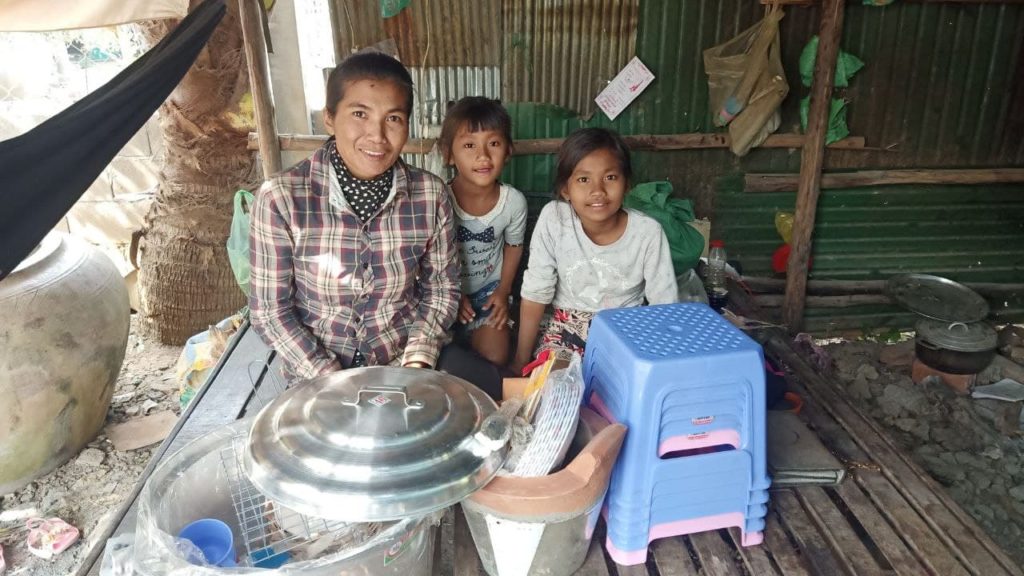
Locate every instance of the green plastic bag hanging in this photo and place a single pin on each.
(684, 241)
(846, 65)
(837, 128)
(238, 240)
(389, 8)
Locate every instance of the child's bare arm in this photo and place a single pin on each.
(530, 314)
(497, 302)
(511, 256)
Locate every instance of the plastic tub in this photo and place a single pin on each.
(194, 483)
(543, 526)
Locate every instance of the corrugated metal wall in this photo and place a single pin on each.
(428, 33)
(943, 86)
(563, 52)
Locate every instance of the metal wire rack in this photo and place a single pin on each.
(269, 530)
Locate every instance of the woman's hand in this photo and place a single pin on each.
(466, 313)
(417, 365)
(497, 303)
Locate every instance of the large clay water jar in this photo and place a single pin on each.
(63, 332)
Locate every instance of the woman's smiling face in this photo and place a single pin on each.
(370, 125)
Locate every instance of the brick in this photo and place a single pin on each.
(960, 383)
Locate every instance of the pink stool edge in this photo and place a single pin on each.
(682, 528)
(700, 440)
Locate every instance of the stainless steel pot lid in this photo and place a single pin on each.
(375, 444)
(937, 298)
(958, 336)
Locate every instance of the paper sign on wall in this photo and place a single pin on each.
(624, 88)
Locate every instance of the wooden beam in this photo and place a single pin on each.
(813, 2)
(847, 287)
(811, 159)
(776, 300)
(789, 182)
(653, 142)
(255, 46)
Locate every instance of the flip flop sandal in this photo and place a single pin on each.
(49, 537)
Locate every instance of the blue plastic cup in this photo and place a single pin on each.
(214, 540)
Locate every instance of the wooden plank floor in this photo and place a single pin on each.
(888, 517)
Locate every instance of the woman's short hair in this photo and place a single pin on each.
(367, 66)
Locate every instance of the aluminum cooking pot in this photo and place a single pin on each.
(376, 444)
(957, 347)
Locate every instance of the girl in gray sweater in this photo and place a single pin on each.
(588, 253)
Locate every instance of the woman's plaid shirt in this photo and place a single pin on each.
(325, 284)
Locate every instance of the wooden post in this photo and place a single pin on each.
(338, 30)
(811, 159)
(259, 84)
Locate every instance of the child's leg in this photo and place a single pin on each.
(492, 343)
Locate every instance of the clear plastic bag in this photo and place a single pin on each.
(119, 556)
(691, 289)
(238, 240)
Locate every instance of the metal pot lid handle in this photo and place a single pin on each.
(385, 389)
(960, 324)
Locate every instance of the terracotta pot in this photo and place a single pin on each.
(64, 322)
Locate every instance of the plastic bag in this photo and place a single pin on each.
(784, 226)
(119, 556)
(390, 8)
(846, 65)
(684, 241)
(691, 288)
(746, 83)
(238, 240)
(837, 128)
(200, 355)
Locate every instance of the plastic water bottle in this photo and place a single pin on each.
(715, 278)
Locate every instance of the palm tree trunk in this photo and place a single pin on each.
(185, 280)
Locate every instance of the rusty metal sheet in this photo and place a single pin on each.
(427, 33)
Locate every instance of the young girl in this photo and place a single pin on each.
(476, 138)
(588, 253)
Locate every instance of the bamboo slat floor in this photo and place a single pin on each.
(888, 516)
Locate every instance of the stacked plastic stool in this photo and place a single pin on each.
(691, 389)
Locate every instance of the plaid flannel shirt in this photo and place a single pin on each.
(325, 284)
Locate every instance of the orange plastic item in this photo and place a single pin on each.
(567, 491)
(795, 401)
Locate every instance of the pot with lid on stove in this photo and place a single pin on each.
(953, 337)
(955, 347)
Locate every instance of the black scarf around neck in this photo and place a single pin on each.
(365, 197)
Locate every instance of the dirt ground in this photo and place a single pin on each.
(89, 489)
(957, 439)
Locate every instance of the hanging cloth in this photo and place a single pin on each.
(36, 16)
(46, 170)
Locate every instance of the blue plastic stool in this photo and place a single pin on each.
(690, 386)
